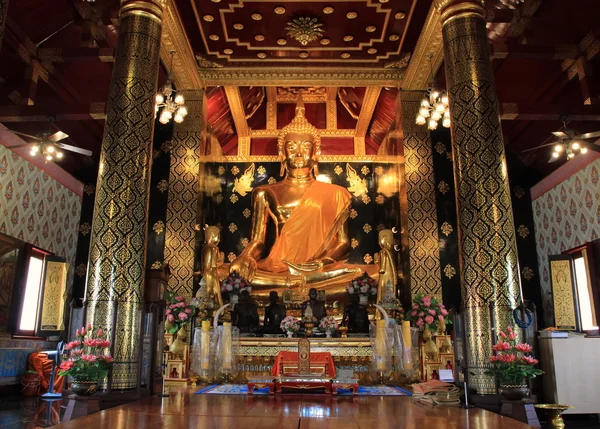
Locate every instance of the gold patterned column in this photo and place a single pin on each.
(488, 251)
(423, 240)
(3, 14)
(187, 141)
(118, 242)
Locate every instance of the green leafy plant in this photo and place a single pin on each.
(513, 364)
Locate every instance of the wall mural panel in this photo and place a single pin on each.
(566, 216)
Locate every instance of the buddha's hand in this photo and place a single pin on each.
(245, 266)
(305, 267)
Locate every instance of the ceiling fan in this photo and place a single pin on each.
(49, 145)
(570, 143)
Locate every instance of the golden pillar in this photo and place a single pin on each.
(488, 251)
(3, 13)
(114, 290)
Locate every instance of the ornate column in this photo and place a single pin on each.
(114, 291)
(488, 252)
(189, 139)
(3, 13)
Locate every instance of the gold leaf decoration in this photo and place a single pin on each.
(379, 199)
(158, 227)
(271, 180)
(367, 228)
(247, 213)
(234, 198)
(443, 187)
(221, 170)
(261, 170)
(449, 271)
(519, 192)
(527, 273)
(305, 30)
(446, 229)
(89, 189)
(219, 199)
(357, 186)
(353, 214)
(365, 170)
(378, 170)
(368, 259)
(365, 198)
(243, 185)
(156, 265)
(80, 270)
(162, 185)
(235, 170)
(245, 242)
(232, 227)
(166, 146)
(338, 170)
(231, 256)
(354, 243)
(523, 231)
(85, 228)
(440, 148)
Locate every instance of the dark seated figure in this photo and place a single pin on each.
(245, 314)
(317, 307)
(356, 316)
(274, 314)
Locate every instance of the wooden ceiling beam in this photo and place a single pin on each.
(62, 112)
(364, 118)
(234, 99)
(73, 55)
(548, 112)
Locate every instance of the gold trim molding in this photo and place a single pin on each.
(292, 76)
(270, 133)
(384, 159)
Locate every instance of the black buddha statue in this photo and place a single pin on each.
(245, 314)
(274, 314)
(317, 307)
(356, 316)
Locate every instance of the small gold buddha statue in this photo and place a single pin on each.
(385, 260)
(211, 261)
(312, 242)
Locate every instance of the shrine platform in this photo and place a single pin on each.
(185, 409)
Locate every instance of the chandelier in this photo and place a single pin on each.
(172, 107)
(48, 151)
(434, 106)
(570, 148)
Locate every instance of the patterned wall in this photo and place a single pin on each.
(565, 217)
(183, 195)
(225, 206)
(36, 209)
(425, 275)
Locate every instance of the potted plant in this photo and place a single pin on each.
(233, 285)
(178, 314)
(87, 362)
(428, 314)
(513, 365)
(291, 325)
(364, 286)
(329, 325)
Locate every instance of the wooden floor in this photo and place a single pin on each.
(184, 409)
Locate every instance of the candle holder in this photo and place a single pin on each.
(553, 412)
(309, 327)
(343, 331)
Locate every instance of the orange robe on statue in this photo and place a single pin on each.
(311, 228)
(40, 363)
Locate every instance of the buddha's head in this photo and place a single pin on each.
(299, 143)
(212, 235)
(386, 238)
(273, 297)
(312, 293)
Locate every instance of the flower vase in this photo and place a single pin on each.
(363, 300)
(233, 299)
(177, 346)
(429, 347)
(290, 334)
(328, 334)
(84, 387)
(514, 392)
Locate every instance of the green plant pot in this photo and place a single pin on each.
(514, 392)
(84, 388)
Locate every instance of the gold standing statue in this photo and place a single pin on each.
(385, 259)
(211, 261)
(312, 242)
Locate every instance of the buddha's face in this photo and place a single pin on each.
(299, 151)
(212, 235)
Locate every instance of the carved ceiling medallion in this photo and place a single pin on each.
(305, 30)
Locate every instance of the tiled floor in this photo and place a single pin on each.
(184, 409)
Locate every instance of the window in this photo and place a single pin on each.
(584, 291)
(27, 307)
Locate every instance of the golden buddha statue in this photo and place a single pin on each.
(212, 259)
(312, 242)
(385, 260)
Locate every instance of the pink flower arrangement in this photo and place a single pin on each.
(178, 312)
(328, 324)
(427, 311)
(511, 365)
(235, 284)
(290, 324)
(363, 285)
(87, 360)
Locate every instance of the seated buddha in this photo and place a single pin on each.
(311, 233)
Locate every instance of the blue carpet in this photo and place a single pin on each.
(242, 389)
